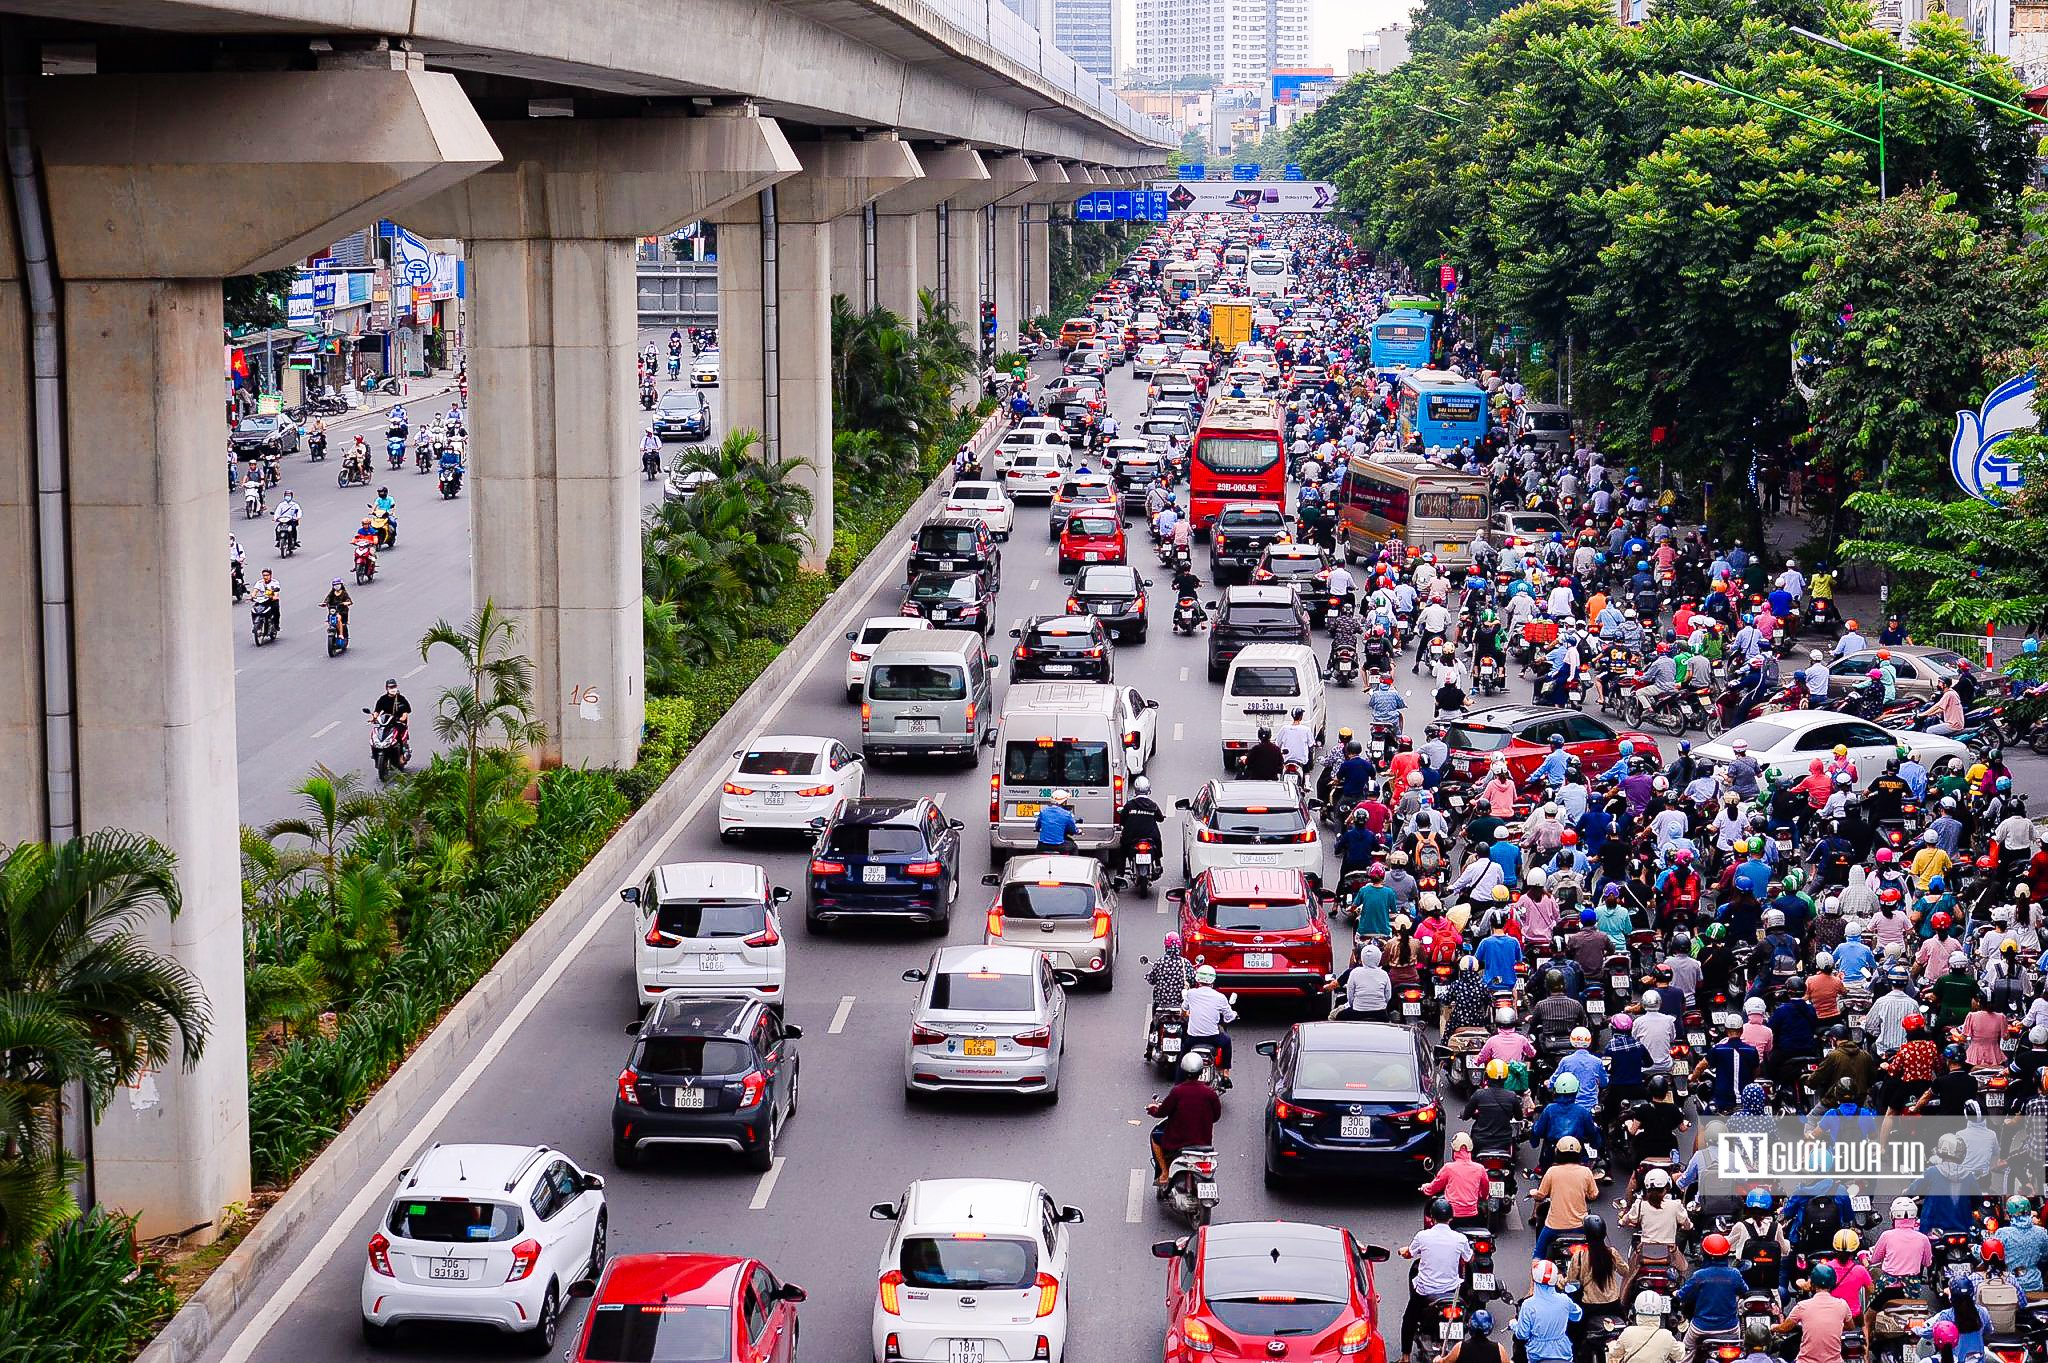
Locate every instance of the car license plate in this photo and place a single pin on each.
(966, 1350)
(1205, 1191)
(1411, 1008)
(1258, 960)
(1497, 1187)
(448, 1270)
(874, 875)
(711, 960)
(776, 797)
(692, 1098)
(1257, 858)
(1171, 1045)
(979, 1045)
(917, 726)
(1354, 1128)
(1062, 668)
(1860, 1202)
(1696, 1039)
(1452, 1330)
(1027, 810)
(1483, 1282)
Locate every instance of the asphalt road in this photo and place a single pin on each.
(294, 705)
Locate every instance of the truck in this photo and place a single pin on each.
(1230, 326)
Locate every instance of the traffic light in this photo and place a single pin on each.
(988, 317)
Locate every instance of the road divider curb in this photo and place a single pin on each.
(302, 1215)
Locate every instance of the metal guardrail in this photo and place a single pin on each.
(994, 23)
(1971, 646)
(678, 293)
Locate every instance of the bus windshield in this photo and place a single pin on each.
(1237, 454)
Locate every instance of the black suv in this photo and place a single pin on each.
(259, 435)
(953, 600)
(1062, 648)
(1114, 594)
(885, 857)
(954, 544)
(1239, 536)
(706, 1070)
(1253, 615)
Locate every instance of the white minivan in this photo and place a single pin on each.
(1264, 686)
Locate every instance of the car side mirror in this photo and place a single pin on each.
(1068, 979)
(1374, 1254)
(991, 879)
(1166, 1249)
(790, 1292)
(633, 1028)
(1208, 605)
(955, 824)
(914, 976)
(1176, 896)
(631, 894)
(582, 1287)
(1269, 1049)
(882, 1211)
(1151, 705)
(1071, 1216)
(792, 1032)
(1016, 632)
(593, 1183)
(818, 823)
(849, 636)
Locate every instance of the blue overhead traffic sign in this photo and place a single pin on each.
(1291, 172)
(1092, 207)
(1193, 170)
(1245, 170)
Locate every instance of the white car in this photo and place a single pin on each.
(1148, 358)
(708, 927)
(1035, 474)
(704, 370)
(1791, 739)
(484, 1234)
(785, 782)
(985, 501)
(863, 640)
(1251, 824)
(974, 1271)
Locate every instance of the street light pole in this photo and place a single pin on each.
(1810, 118)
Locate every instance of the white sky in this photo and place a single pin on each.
(1334, 26)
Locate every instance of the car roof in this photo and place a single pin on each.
(1254, 882)
(1053, 866)
(1261, 596)
(1295, 550)
(479, 1168)
(1356, 1036)
(710, 879)
(1276, 653)
(1248, 793)
(699, 1015)
(879, 810)
(964, 1203)
(897, 621)
(1248, 1239)
(979, 484)
(994, 960)
(690, 1279)
(1511, 716)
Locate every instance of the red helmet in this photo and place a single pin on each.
(1570, 837)
(1912, 1022)
(1940, 921)
(1716, 1246)
(1993, 1252)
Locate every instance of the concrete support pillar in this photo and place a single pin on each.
(898, 263)
(1009, 281)
(1038, 259)
(149, 207)
(854, 269)
(906, 225)
(965, 251)
(555, 508)
(24, 813)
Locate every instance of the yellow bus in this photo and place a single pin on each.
(1428, 506)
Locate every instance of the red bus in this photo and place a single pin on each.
(1238, 456)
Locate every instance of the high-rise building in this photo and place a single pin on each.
(1083, 29)
(1231, 41)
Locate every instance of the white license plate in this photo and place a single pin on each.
(1205, 1191)
(1618, 981)
(1258, 960)
(874, 875)
(917, 726)
(1410, 1008)
(2009, 1045)
(1497, 1187)
(711, 961)
(1696, 1040)
(1354, 1128)
(1257, 858)
(1452, 1330)
(1755, 1324)
(1860, 1202)
(1061, 668)
(692, 1098)
(1483, 1282)
(449, 1270)
(966, 1350)
(1994, 1102)
(1089, 556)
(776, 797)
(1171, 1045)
(1597, 1007)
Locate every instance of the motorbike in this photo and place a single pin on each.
(1144, 865)
(272, 475)
(1500, 1185)
(365, 563)
(390, 745)
(252, 499)
(1188, 615)
(1166, 1039)
(353, 473)
(287, 537)
(1458, 1055)
(316, 447)
(237, 583)
(1442, 1329)
(337, 642)
(422, 456)
(263, 622)
(386, 526)
(646, 397)
(1191, 1188)
(650, 464)
(1343, 669)
(1823, 618)
(450, 481)
(675, 367)
(394, 451)
(1487, 677)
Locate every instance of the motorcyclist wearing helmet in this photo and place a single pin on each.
(1563, 1118)
(1169, 977)
(1820, 1316)
(2025, 1243)
(1494, 1110)
(1366, 988)
(1187, 1114)
(1140, 821)
(1645, 1339)
(1711, 1296)
(1209, 1012)
(1440, 1254)
(1904, 1253)
(1057, 823)
(1567, 1189)
(1264, 760)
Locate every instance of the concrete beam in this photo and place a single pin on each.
(1051, 185)
(949, 171)
(841, 176)
(1015, 176)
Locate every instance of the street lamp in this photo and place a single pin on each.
(1810, 118)
(1448, 118)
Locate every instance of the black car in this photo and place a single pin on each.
(1351, 1099)
(1062, 648)
(1239, 536)
(885, 858)
(1114, 594)
(682, 414)
(707, 1071)
(1302, 567)
(260, 435)
(1136, 470)
(953, 544)
(1253, 615)
(953, 600)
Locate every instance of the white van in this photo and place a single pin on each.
(1264, 686)
(1089, 738)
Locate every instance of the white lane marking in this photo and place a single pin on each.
(238, 671)
(326, 728)
(940, 799)
(417, 670)
(1034, 585)
(1134, 1200)
(839, 1017)
(767, 1188)
(343, 1230)
(1176, 731)
(1183, 674)
(1050, 550)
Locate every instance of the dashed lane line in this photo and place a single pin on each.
(839, 1017)
(767, 1188)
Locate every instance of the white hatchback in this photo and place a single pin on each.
(975, 1270)
(485, 1234)
(786, 782)
(1251, 824)
(871, 632)
(708, 927)
(987, 502)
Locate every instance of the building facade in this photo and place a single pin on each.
(1231, 41)
(1384, 49)
(1083, 29)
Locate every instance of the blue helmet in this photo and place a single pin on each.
(1628, 748)
(1642, 565)
(1482, 1321)
(1557, 537)
(1759, 1199)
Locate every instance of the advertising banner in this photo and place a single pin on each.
(1264, 196)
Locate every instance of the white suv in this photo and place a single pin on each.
(976, 1268)
(489, 1234)
(708, 927)
(872, 631)
(1249, 823)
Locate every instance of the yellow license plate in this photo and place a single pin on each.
(979, 1045)
(1025, 811)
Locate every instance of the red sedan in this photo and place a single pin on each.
(1520, 736)
(1271, 1290)
(708, 1307)
(1091, 537)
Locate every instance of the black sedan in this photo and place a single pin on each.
(707, 1072)
(260, 435)
(953, 600)
(1114, 594)
(885, 859)
(1062, 648)
(1351, 1099)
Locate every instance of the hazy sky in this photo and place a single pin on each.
(1334, 25)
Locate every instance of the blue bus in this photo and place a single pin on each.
(1401, 340)
(1445, 409)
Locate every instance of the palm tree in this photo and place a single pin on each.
(496, 701)
(356, 939)
(335, 805)
(83, 1000)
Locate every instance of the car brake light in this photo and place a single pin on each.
(1197, 1335)
(1073, 606)
(1287, 1112)
(1425, 1115)
(1101, 923)
(827, 868)
(1038, 1038)
(994, 790)
(380, 1255)
(1048, 1293)
(995, 922)
(1022, 652)
(892, 1283)
(629, 1086)
(926, 1036)
(657, 938)
(924, 869)
(1207, 835)
(972, 711)
(524, 1255)
(752, 1087)
(814, 792)
(766, 937)
(731, 789)
(867, 712)
(1356, 1336)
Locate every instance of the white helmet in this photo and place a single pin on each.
(1905, 1209)
(1956, 958)
(1824, 961)
(1581, 1037)
(1652, 1000)
(1832, 904)
(1651, 1305)
(1191, 1064)
(1536, 879)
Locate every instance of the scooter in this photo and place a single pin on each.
(263, 621)
(365, 563)
(1343, 669)
(1166, 1038)
(287, 537)
(449, 481)
(1191, 1189)
(646, 397)
(316, 448)
(1188, 615)
(394, 451)
(252, 499)
(650, 464)
(337, 642)
(1144, 865)
(237, 583)
(422, 456)
(390, 746)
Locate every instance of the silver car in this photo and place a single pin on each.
(1063, 906)
(988, 1020)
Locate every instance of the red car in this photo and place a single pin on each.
(708, 1307)
(1520, 735)
(1267, 1290)
(1091, 536)
(1263, 930)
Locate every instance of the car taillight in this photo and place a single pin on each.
(925, 1036)
(1284, 1111)
(995, 922)
(814, 792)
(867, 713)
(766, 937)
(1101, 923)
(1357, 1335)
(629, 1090)
(1038, 1038)
(892, 1286)
(1424, 1115)
(1095, 652)
(827, 868)
(923, 869)
(657, 938)
(1048, 1293)
(995, 789)
(524, 1255)
(752, 1087)
(972, 711)
(1207, 835)
(731, 789)
(1197, 1335)
(380, 1255)
(1021, 652)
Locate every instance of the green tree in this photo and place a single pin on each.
(353, 942)
(335, 805)
(493, 705)
(256, 300)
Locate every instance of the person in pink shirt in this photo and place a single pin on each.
(1889, 926)
(1935, 951)
(1852, 1280)
(1903, 1252)
(1756, 1030)
(1983, 1030)
(1538, 916)
(1463, 1181)
(1499, 792)
(1506, 1043)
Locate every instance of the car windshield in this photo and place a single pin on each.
(1357, 1071)
(680, 404)
(1106, 582)
(258, 425)
(1259, 819)
(1258, 613)
(1276, 1293)
(1472, 738)
(969, 1265)
(711, 918)
(693, 1055)
(874, 634)
(452, 1220)
(916, 681)
(1047, 899)
(946, 539)
(1761, 735)
(984, 991)
(1253, 518)
(779, 762)
(670, 1332)
(1265, 681)
(1056, 762)
(1258, 915)
(943, 587)
(875, 840)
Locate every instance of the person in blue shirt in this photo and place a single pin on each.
(1733, 1063)
(1056, 823)
(1621, 764)
(1915, 777)
(1499, 954)
(1797, 1029)
(1545, 1317)
(1354, 774)
(1947, 1192)
(1562, 1117)
(1506, 855)
(1854, 958)
(1712, 1295)
(1551, 770)
(1584, 1067)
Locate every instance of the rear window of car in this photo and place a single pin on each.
(1092, 525)
(668, 1332)
(963, 492)
(947, 539)
(1259, 819)
(778, 762)
(874, 634)
(1056, 762)
(1358, 1071)
(1106, 582)
(718, 918)
(944, 587)
(1275, 1313)
(1264, 681)
(1471, 738)
(1075, 640)
(1263, 518)
(984, 991)
(1258, 613)
(1047, 899)
(917, 681)
(693, 1055)
(452, 1221)
(875, 840)
(1258, 915)
(968, 1265)
(1266, 1294)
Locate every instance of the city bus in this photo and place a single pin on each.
(1428, 506)
(1401, 340)
(1237, 456)
(1445, 409)
(1269, 273)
